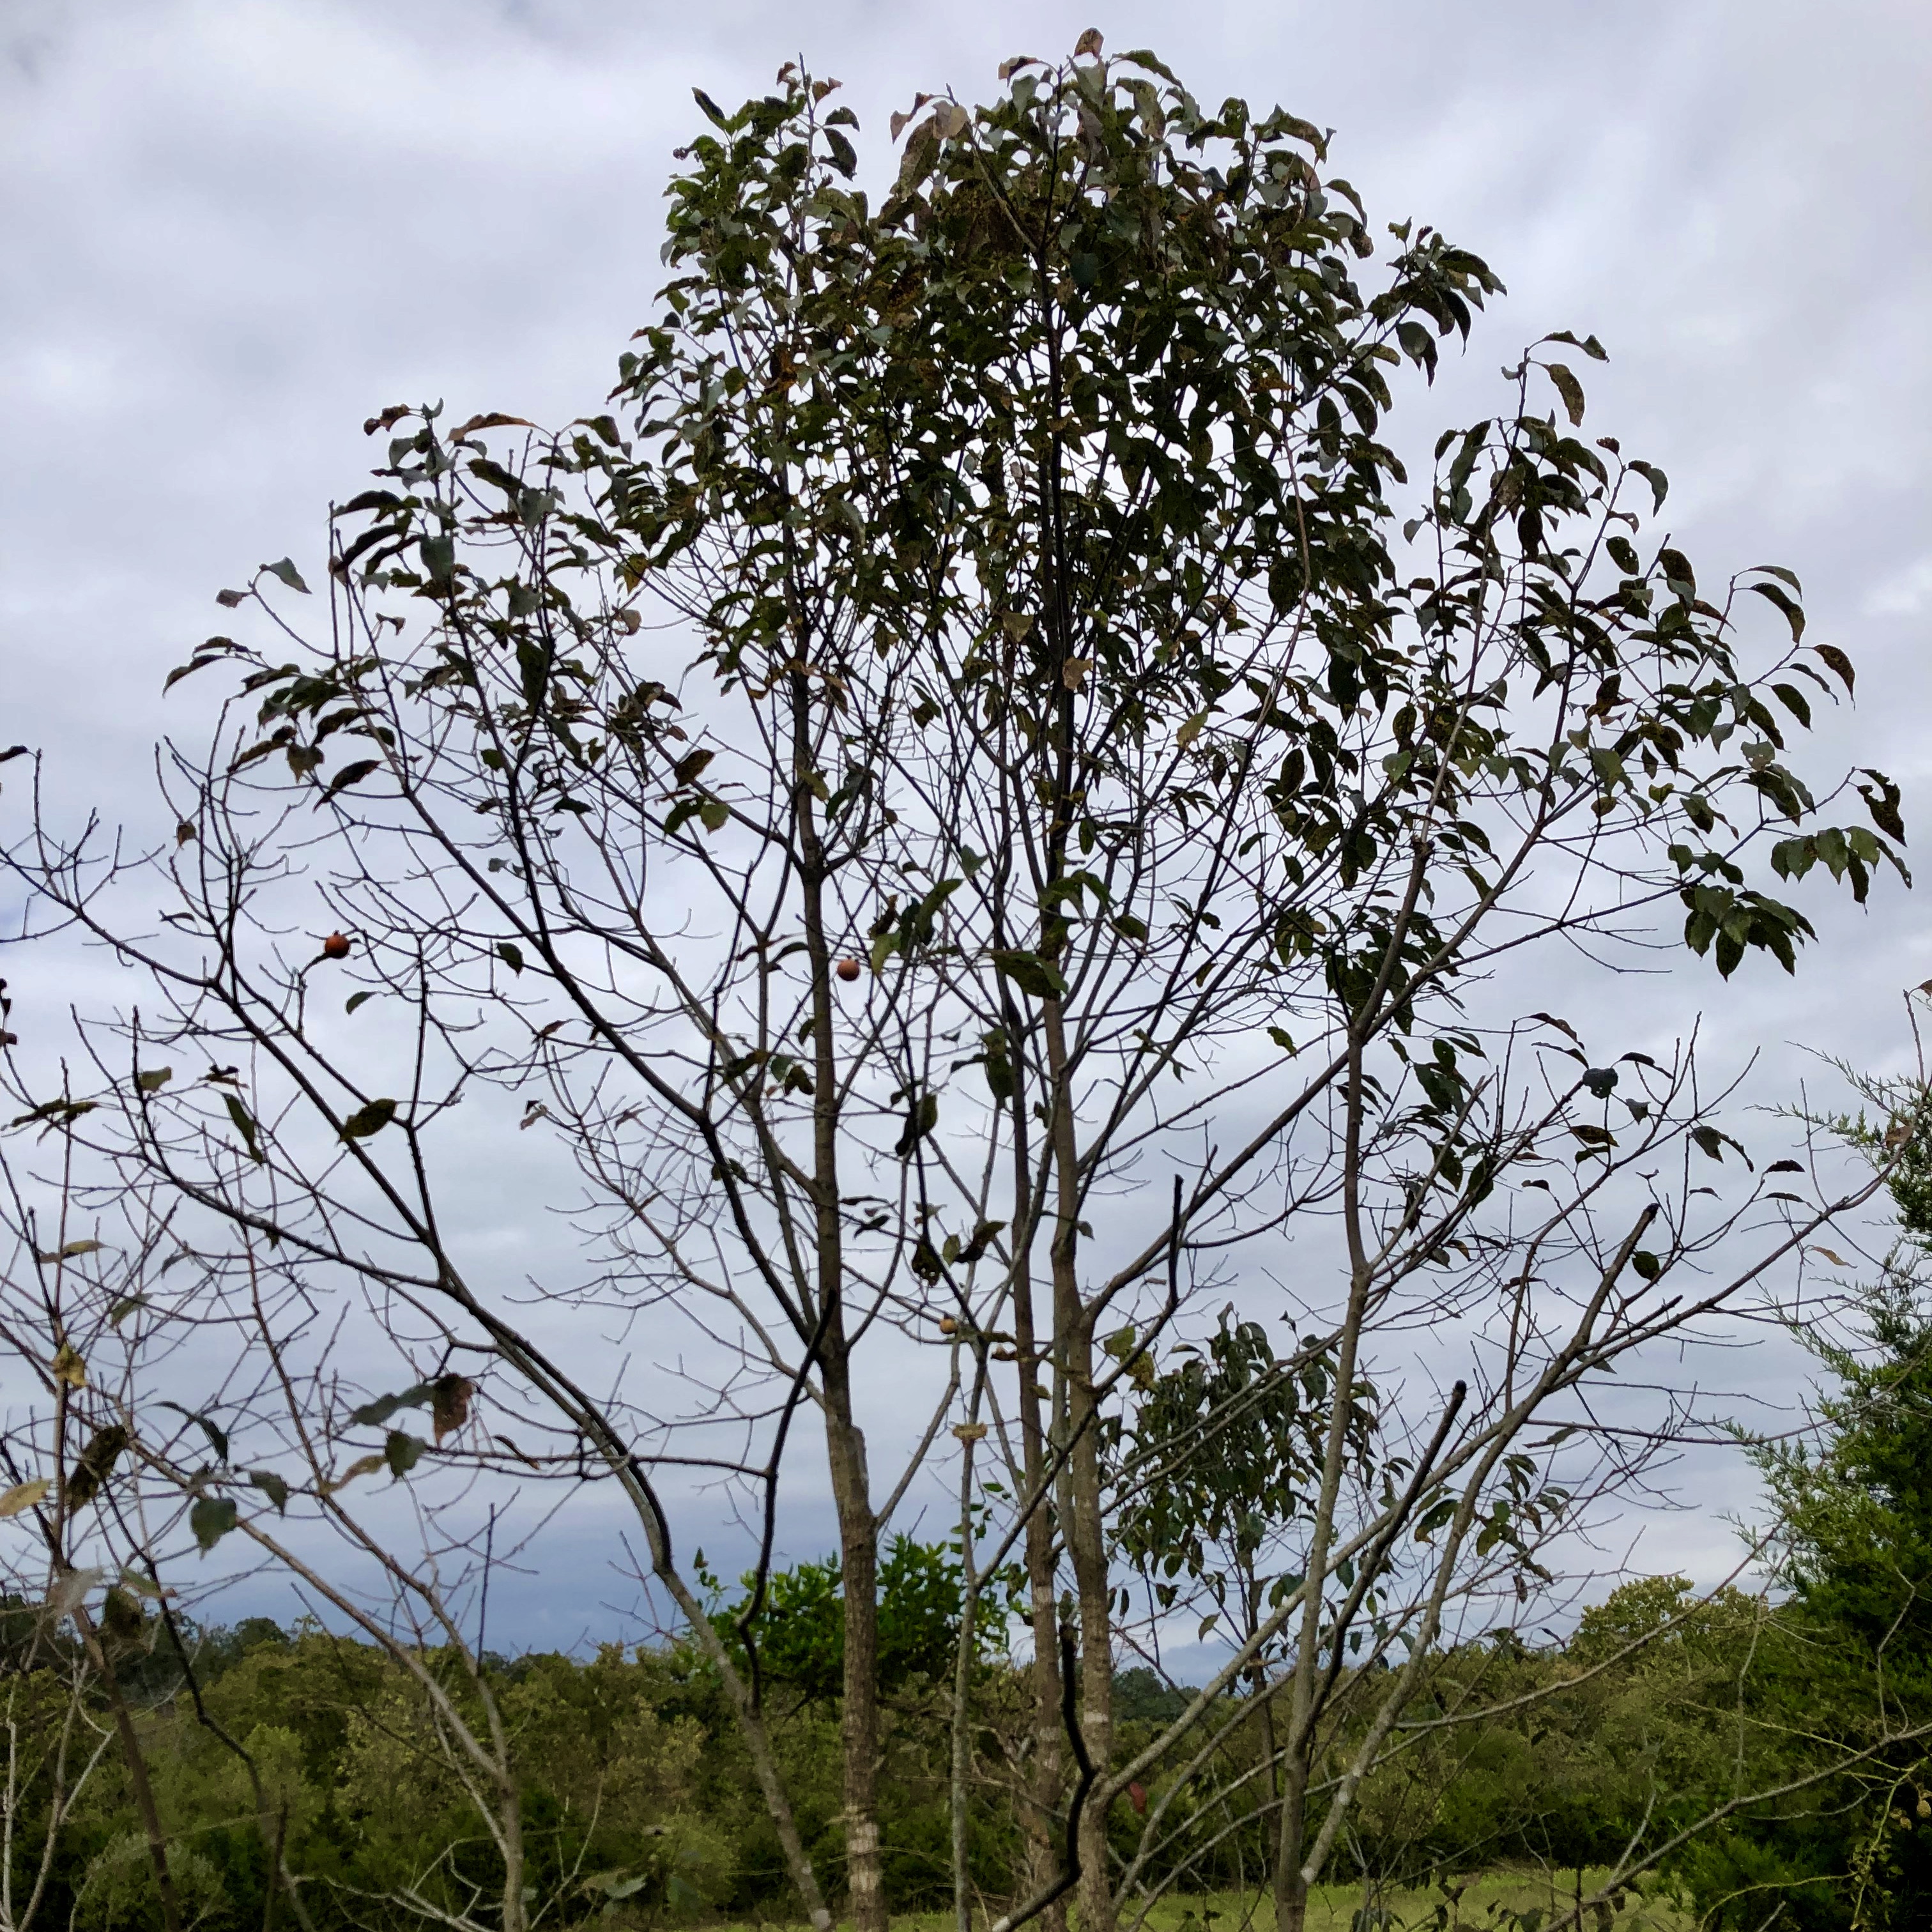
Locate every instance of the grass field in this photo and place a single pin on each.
(1490, 1902)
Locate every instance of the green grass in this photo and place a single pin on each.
(1488, 1902)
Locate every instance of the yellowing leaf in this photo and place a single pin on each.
(23, 1496)
(363, 1466)
(69, 1368)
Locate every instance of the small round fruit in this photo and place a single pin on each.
(947, 1326)
(847, 970)
(335, 946)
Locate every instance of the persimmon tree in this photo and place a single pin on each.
(980, 731)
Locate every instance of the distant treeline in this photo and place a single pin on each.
(639, 1803)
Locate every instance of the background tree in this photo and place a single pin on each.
(1854, 1525)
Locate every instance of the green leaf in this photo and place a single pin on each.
(384, 1406)
(1037, 977)
(1659, 484)
(1569, 388)
(244, 1125)
(350, 775)
(124, 1307)
(154, 1079)
(1677, 569)
(217, 1437)
(288, 573)
(402, 1452)
(211, 1518)
(921, 156)
(1646, 1264)
(511, 955)
(272, 1486)
(1590, 346)
(205, 654)
(355, 1000)
(1881, 801)
(71, 1249)
(1794, 612)
(921, 1118)
(58, 1113)
(1835, 660)
(370, 1120)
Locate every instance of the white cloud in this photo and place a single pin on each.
(1904, 595)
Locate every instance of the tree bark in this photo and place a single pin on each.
(1083, 1523)
(1046, 1783)
(137, 1769)
(859, 1550)
(844, 1440)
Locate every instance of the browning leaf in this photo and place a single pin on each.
(449, 1405)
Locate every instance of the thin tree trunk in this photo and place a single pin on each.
(1046, 1783)
(962, 1686)
(510, 1830)
(1291, 1885)
(858, 1544)
(1083, 1523)
(844, 1441)
(137, 1769)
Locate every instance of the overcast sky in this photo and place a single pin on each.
(233, 231)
